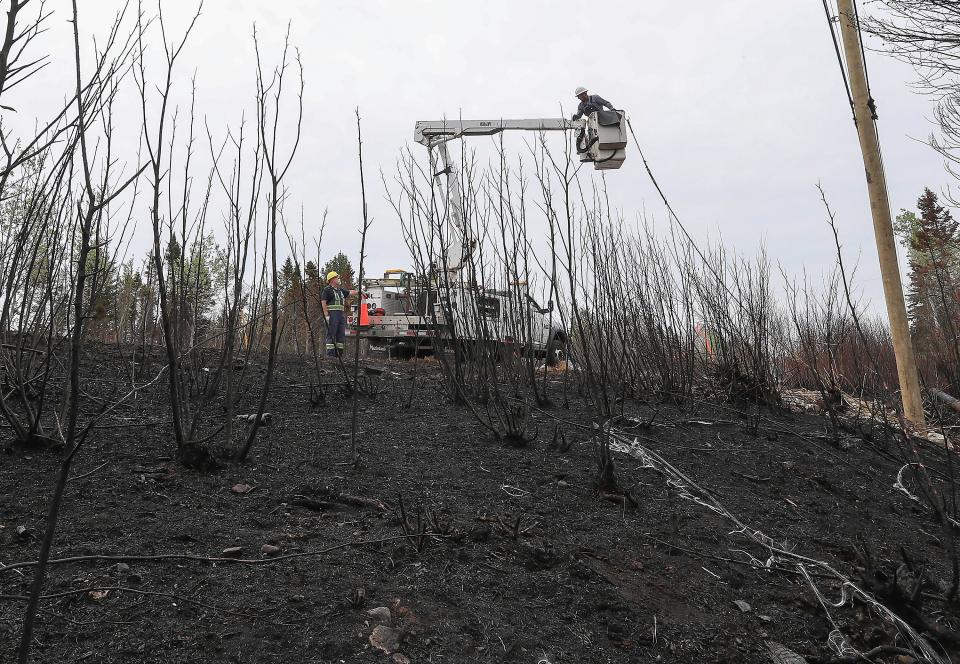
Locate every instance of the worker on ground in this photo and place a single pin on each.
(589, 103)
(332, 300)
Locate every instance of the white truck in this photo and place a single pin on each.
(408, 313)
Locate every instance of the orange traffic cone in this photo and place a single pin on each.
(364, 313)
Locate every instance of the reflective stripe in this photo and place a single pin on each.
(330, 346)
(334, 307)
(341, 346)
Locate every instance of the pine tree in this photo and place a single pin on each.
(287, 275)
(340, 264)
(933, 248)
(127, 313)
(313, 288)
(291, 306)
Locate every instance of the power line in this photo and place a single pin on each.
(836, 48)
(866, 72)
(871, 103)
(673, 214)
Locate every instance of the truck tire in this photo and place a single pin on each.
(556, 349)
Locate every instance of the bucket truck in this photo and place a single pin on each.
(406, 315)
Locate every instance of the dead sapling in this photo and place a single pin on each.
(511, 527)
(416, 531)
(901, 587)
(318, 394)
(606, 469)
(516, 422)
(358, 597)
(608, 487)
(370, 382)
(560, 441)
(438, 525)
(752, 423)
(196, 456)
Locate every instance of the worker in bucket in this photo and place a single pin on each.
(589, 103)
(332, 300)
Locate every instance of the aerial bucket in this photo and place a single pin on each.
(603, 140)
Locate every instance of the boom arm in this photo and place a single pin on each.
(602, 140)
(438, 133)
(434, 132)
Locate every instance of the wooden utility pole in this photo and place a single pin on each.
(880, 208)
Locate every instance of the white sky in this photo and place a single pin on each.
(740, 108)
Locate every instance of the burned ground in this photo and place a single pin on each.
(508, 555)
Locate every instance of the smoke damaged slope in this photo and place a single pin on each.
(444, 544)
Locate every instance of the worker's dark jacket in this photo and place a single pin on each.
(593, 104)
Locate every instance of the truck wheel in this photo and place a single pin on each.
(556, 351)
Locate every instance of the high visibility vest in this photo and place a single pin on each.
(338, 298)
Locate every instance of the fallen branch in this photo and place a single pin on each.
(359, 501)
(310, 504)
(207, 559)
(153, 593)
(752, 478)
(87, 474)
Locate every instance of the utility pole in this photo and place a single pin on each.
(880, 209)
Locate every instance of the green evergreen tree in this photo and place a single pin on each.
(933, 249)
(340, 264)
(288, 275)
(127, 312)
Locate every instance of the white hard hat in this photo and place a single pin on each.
(579, 91)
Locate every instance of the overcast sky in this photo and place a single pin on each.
(740, 108)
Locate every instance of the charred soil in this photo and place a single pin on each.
(443, 544)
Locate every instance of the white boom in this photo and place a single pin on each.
(602, 141)
(432, 133)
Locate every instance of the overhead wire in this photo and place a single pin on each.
(836, 47)
(846, 83)
(676, 219)
(863, 54)
(673, 214)
(871, 102)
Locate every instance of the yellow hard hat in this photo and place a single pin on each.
(331, 274)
